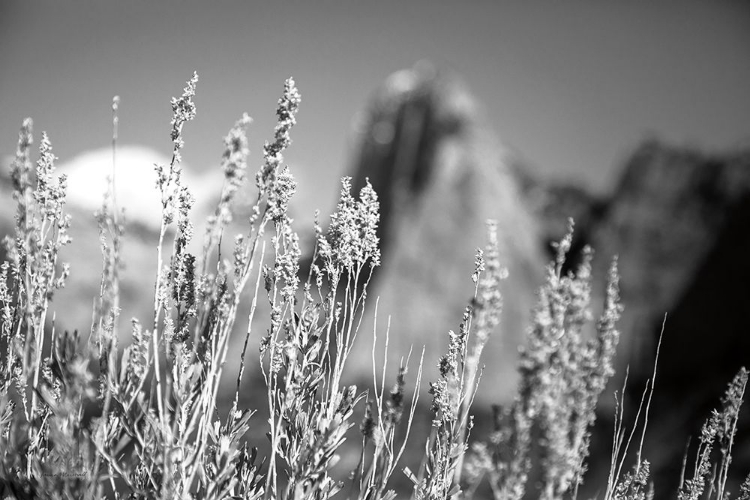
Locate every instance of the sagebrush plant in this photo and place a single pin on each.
(85, 418)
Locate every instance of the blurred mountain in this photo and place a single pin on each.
(678, 219)
(440, 174)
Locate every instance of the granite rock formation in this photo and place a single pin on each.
(439, 176)
(679, 218)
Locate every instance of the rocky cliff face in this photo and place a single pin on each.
(678, 220)
(439, 176)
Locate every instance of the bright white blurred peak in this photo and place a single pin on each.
(135, 182)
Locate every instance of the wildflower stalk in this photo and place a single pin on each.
(40, 233)
(562, 376)
(106, 314)
(234, 166)
(453, 394)
(310, 410)
(380, 423)
(720, 427)
(633, 486)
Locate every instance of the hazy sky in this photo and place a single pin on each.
(572, 86)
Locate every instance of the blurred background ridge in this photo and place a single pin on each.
(677, 219)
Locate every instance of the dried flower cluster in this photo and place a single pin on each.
(719, 429)
(562, 376)
(453, 393)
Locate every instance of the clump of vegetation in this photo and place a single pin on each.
(85, 418)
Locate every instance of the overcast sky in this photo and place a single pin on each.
(571, 86)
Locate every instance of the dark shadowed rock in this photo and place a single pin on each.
(679, 220)
(439, 175)
(668, 219)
